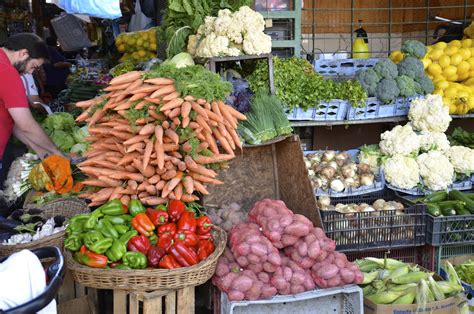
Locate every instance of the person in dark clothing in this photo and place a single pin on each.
(56, 70)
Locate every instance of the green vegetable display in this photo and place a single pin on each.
(461, 137)
(466, 272)
(448, 204)
(62, 129)
(414, 48)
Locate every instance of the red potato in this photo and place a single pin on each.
(274, 236)
(274, 258)
(258, 249)
(285, 220)
(242, 283)
(254, 292)
(269, 267)
(347, 275)
(297, 229)
(287, 273)
(235, 295)
(256, 268)
(327, 271)
(243, 249)
(279, 282)
(295, 256)
(307, 262)
(243, 261)
(314, 250)
(335, 281)
(226, 281)
(268, 291)
(222, 268)
(295, 289)
(254, 259)
(302, 249)
(288, 240)
(264, 277)
(297, 279)
(308, 281)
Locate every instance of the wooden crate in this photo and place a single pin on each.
(155, 302)
(75, 298)
(275, 170)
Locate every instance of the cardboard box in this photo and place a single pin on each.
(447, 306)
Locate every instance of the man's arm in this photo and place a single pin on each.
(31, 133)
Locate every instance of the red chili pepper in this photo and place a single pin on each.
(143, 224)
(168, 262)
(157, 216)
(139, 243)
(175, 209)
(165, 241)
(184, 255)
(167, 228)
(91, 259)
(189, 238)
(187, 222)
(203, 225)
(205, 248)
(154, 256)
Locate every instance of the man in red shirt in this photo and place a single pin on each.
(21, 53)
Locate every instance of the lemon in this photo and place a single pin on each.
(452, 78)
(449, 71)
(453, 109)
(121, 48)
(440, 45)
(451, 50)
(466, 43)
(469, 82)
(442, 84)
(434, 69)
(450, 92)
(465, 53)
(444, 61)
(471, 62)
(455, 43)
(464, 67)
(426, 62)
(463, 76)
(436, 54)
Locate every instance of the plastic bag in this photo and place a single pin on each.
(105, 9)
(71, 34)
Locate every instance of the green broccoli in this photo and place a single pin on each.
(406, 85)
(424, 85)
(385, 68)
(411, 67)
(387, 90)
(368, 79)
(414, 48)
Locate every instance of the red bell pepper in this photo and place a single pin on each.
(143, 224)
(175, 209)
(154, 256)
(184, 255)
(189, 238)
(187, 222)
(169, 228)
(165, 241)
(205, 248)
(139, 243)
(206, 236)
(168, 262)
(91, 259)
(157, 216)
(203, 225)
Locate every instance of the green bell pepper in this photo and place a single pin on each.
(153, 239)
(116, 251)
(135, 260)
(101, 246)
(120, 220)
(121, 229)
(91, 237)
(73, 242)
(135, 207)
(107, 229)
(127, 236)
(113, 208)
(93, 219)
(122, 266)
(76, 224)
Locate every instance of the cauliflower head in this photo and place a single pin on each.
(227, 25)
(462, 159)
(208, 27)
(401, 140)
(402, 172)
(429, 114)
(257, 43)
(252, 21)
(213, 45)
(436, 170)
(434, 141)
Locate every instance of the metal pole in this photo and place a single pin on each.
(352, 23)
(389, 26)
(427, 28)
(465, 11)
(313, 27)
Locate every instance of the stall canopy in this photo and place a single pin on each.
(105, 9)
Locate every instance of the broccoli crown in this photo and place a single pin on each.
(411, 67)
(368, 79)
(387, 90)
(423, 85)
(406, 85)
(385, 68)
(414, 48)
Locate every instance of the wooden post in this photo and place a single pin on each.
(185, 300)
(120, 301)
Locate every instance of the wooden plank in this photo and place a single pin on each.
(185, 300)
(134, 303)
(94, 299)
(152, 306)
(80, 290)
(120, 301)
(67, 291)
(170, 303)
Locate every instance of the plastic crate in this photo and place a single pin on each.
(335, 110)
(377, 186)
(345, 67)
(420, 255)
(460, 186)
(347, 300)
(375, 230)
(448, 251)
(449, 230)
(375, 108)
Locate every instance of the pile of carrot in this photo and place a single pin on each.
(147, 159)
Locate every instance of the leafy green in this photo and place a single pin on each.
(466, 272)
(259, 119)
(59, 121)
(461, 137)
(79, 134)
(63, 140)
(280, 120)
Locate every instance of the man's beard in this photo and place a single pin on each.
(20, 66)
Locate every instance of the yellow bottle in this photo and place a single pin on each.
(360, 49)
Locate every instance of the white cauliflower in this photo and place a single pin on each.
(429, 114)
(193, 42)
(462, 159)
(252, 21)
(257, 43)
(401, 172)
(400, 140)
(208, 27)
(213, 46)
(436, 170)
(434, 141)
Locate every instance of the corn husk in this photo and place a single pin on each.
(437, 293)
(408, 298)
(404, 287)
(366, 266)
(448, 287)
(385, 297)
(386, 263)
(398, 272)
(412, 277)
(370, 277)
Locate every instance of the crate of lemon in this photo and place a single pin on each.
(137, 46)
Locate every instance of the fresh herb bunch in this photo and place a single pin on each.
(194, 80)
(462, 137)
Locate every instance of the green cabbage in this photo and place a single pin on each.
(79, 148)
(182, 60)
(58, 121)
(63, 140)
(79, 134)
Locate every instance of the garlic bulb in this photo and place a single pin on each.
(337, 185)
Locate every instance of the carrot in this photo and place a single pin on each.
(150, 189)
(192, 165)
(212, 123)
(102, 195)
(112, 88)
(156, 116)
(223, 141)
(131, 169)
(202, 122)
(160, 185)
(168, 175)
(187, 198)
(235, 137)
(147, 172)
(199, 110)
(213, 159)
(169, 187)
(143, 195)
(164, 90)
(98, 114)
(187, 147)
(169, 165)
(125, 199)
(201, 101)
(114, 159)
(172, 135)
(200, 188)
(186, 109)
(188, 184)
(141, 105)
(174, 114)
(226, 114)
(153, 201)
(154, 179)
(127, 176)
(129, 77)
(160, 81)
(202, 178)
(153, 100)
(172, 104)
(170, 96)
(95, 182)
(87, 103)
(214, 116)
(116, 193)
(215, 109)
(83, 116)
(124, 127)
(176, 154)
(176, 123)
(122, 135)
(147, 154)
(136, 139)
(185, 121)
(144, 88)
(147, 129)
(235, 113)
(137, 96)
(170, 147)
(181, 166)
(160, 155)
(133, 85)
(165, 124)
(178, 191)
(132, 184)
(212, 143)
(189, 98)
(135, 147)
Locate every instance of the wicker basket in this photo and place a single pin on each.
(67, 207)
(56, 239)
(149, 279)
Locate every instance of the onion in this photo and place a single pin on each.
(324, 201)
(342, 158)
(367, 179)
(378, 204)
(329, 155)
(329, 172)
(337, 185)
(349, 170)
(364, 169)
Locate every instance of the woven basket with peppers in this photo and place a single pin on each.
(134, 237)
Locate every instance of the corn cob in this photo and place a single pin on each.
(369, 277)
(387, 263)
(385, 297)
(398, 272)
(411, 277)
(407, 298)
(404, 287)
(438, 294)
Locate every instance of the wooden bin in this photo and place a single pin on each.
(275, 170)
(75, 298)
